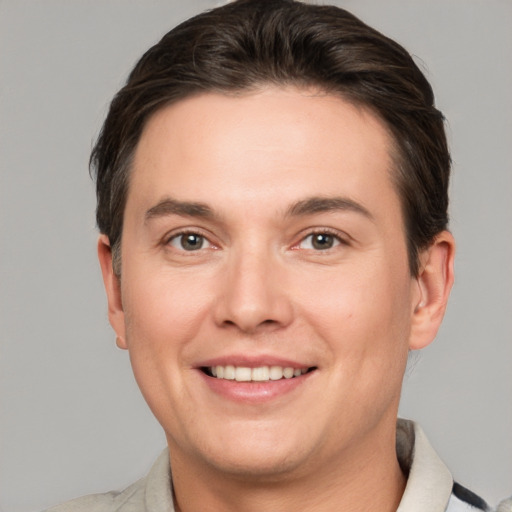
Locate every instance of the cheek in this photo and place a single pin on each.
(162, 316)
(363, 314)
(162, 292)
(163, 312)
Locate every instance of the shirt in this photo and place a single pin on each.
(430, 486)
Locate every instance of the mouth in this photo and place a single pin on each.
(256, 374)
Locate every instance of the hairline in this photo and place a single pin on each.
(396, 158)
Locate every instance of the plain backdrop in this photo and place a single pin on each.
(72, 419)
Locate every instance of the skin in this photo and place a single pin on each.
(261, 165)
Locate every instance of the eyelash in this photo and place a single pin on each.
(323, 231)
(184, 233)
(339, 240)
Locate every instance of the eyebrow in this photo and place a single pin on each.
(169, 206)
(308, 206)
(314, 205)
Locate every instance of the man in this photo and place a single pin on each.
(272, 200)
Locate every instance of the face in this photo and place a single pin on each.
(265, 286)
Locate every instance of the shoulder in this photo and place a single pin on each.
(151, 493)
(430, 486)
(131, 499)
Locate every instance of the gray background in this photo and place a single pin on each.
(72, 420)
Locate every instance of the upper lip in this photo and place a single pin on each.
(252, 361)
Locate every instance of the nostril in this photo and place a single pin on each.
(250, 327)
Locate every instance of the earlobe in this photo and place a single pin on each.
(113, 290)
(434, 284)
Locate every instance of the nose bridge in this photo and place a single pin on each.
(253, 295)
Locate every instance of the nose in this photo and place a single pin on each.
(253, 296)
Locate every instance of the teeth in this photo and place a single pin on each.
(229, 372)
(259, 374)
(288, 373)
(243, 374)
(276, 373)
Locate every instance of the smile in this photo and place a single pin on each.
(257, 374)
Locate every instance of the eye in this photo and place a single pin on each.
(189, 242)
(319, 241)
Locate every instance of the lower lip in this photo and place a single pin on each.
(254, 392)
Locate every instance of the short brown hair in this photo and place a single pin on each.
(250, 43)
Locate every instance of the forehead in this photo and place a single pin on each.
(274, 144)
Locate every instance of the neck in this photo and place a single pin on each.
(362, 478)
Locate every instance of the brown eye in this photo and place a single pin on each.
(319, 241)
(322, 241)
(188, 241)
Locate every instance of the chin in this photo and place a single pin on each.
(258, 455)
(256, 466)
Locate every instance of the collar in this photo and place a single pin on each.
(428, 489)
(430, 483)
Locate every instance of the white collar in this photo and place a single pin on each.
(429, 484)
(428, 489)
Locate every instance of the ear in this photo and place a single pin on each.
(434, 284)
(113, 289)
